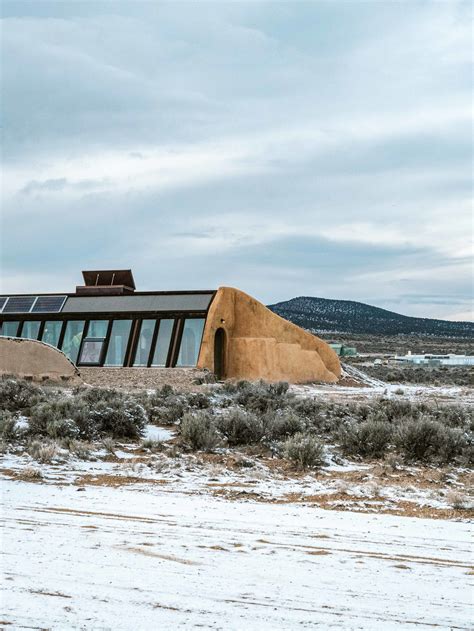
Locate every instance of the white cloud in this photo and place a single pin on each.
(198, 130)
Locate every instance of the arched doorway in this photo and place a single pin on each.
(219, 353)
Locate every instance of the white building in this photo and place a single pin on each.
(437, 360)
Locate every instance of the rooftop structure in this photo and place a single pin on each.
(106, 322)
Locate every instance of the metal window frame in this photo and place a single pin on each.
(108, 338)
(183, 323)
(136, 340)
(136, 317)
(170, 344)
(98, 364)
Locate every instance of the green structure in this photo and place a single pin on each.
(344, 351)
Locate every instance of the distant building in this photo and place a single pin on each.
(436, 360)
(106, 323)
(343, 351)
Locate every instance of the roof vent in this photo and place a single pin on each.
(109, 282)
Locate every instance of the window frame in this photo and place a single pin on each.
(100, 362)
(108, 338)
(22, 326)
(180, 339)
(169, 354)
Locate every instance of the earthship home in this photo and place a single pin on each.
(107, 323)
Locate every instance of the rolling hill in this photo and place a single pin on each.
(322, 315)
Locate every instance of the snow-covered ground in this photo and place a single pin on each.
(441, 394)
(339, 484)
(126, 558)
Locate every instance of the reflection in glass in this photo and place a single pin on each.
(162, 343)
(97, 328)
(51, 332)
(118, 343)
(91, 352)
(144, 342)
(10, 329)
(72, 339)
(30, 330)
(190, 342)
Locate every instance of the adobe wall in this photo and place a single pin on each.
(36, 360)
(262, 345)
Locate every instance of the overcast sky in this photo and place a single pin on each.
(285, 148)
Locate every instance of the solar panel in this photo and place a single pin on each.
(3, 300)
(48, 304)
(19, 304)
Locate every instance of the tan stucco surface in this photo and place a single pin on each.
(29, 358)
(262, 345)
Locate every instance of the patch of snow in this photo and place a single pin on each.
(152, 432)
(22, 423)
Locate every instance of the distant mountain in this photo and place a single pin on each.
(321, 315)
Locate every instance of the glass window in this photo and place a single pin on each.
(51, 332)
(91, 352)
(190, 342)
(144, 342)
(10, 329)
(72, 339)
(97, 328)
(118, 342)
(162, 343)
(30, 330)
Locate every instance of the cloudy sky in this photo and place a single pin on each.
(286, 148)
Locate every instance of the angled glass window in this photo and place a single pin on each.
(10, 329)
(144, 342)
(93, 344)
(30, 330)
(72, 339)
(190, 342)
(91, 352)
(118, 343)
(163, 340)
(51, 332)
(97, 328)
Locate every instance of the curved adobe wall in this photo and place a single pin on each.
(29, 358)
(262, 345)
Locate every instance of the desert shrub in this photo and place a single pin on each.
(199, 431)
(206, 377)
(304, 451)
(163, 415)
(307, 408)
(48, 412)
(367, 439)
(198, 400)
(165, 407)
(151, 444)
(18, 394)
(457, 500)
(79, 448)
(259, 396)
(8, 428)
(434, 375)
(93, 394)
(32, 474)
(122, 418)
(281, 424)
(44, 451)
(62, 428)
(240, 427)
(427, 439)
(60, 418)
(108, 444)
